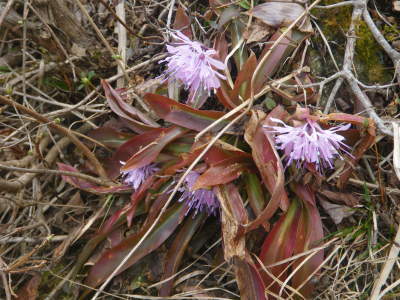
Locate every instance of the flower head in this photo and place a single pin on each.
(192, 63)
(310, 143)
(137, 176)
(201, 200)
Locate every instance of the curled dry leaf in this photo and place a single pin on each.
(30, 288)
(335, 211)
(340, 198)
(277, 14)
(257, 32)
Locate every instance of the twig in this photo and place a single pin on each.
(98, 181)
(14, 186)
(370, 185)
(332, 95)
(359, 7)
(91, 157)
(121, 30)
(24, 239)
(5, 284)
(340, 4)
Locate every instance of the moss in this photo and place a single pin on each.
(369, 57)
(391, 33)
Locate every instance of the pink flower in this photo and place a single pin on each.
(192, 64)
(201, 200)
(137, 176)
(310, 143)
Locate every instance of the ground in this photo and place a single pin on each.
(54, 107)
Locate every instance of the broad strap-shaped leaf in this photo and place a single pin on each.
(149, 152)
(139, 122)
(242, 83)
(107, 263)
(268, 163)
(255, 194)
(309, 233)
(110, 136)
(224, 171)
(87, 185)
(279, 245)
(224, 96)
(249, 280)
(113, 223)
(133, 146)
(276, 56)
(177, 249)
(213, 156)
(237, 28)
(184, 115)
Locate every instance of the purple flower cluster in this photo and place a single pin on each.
(201, 200)
(309, 143)
(193, 64)
(136, 177)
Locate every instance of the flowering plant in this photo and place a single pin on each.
(181, 174)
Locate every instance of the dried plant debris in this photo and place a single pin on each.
(199, 149)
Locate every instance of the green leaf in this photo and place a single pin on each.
(56, 83)
(244, 4)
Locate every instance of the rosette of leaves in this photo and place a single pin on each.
(235, 157)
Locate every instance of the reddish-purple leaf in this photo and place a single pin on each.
(183, 115)
(115, 221)
(89, 186)
(279, 245)
(221, 46)
(274, 60)
(249, 280)
(223, 96)
(126, 111)
(268, 162)
(109, 136)
(242, 82)
(177, 249)
(309, 233)
(149, 152)
(224, 171)
(109, 261)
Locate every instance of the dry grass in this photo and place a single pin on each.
(45, 222)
